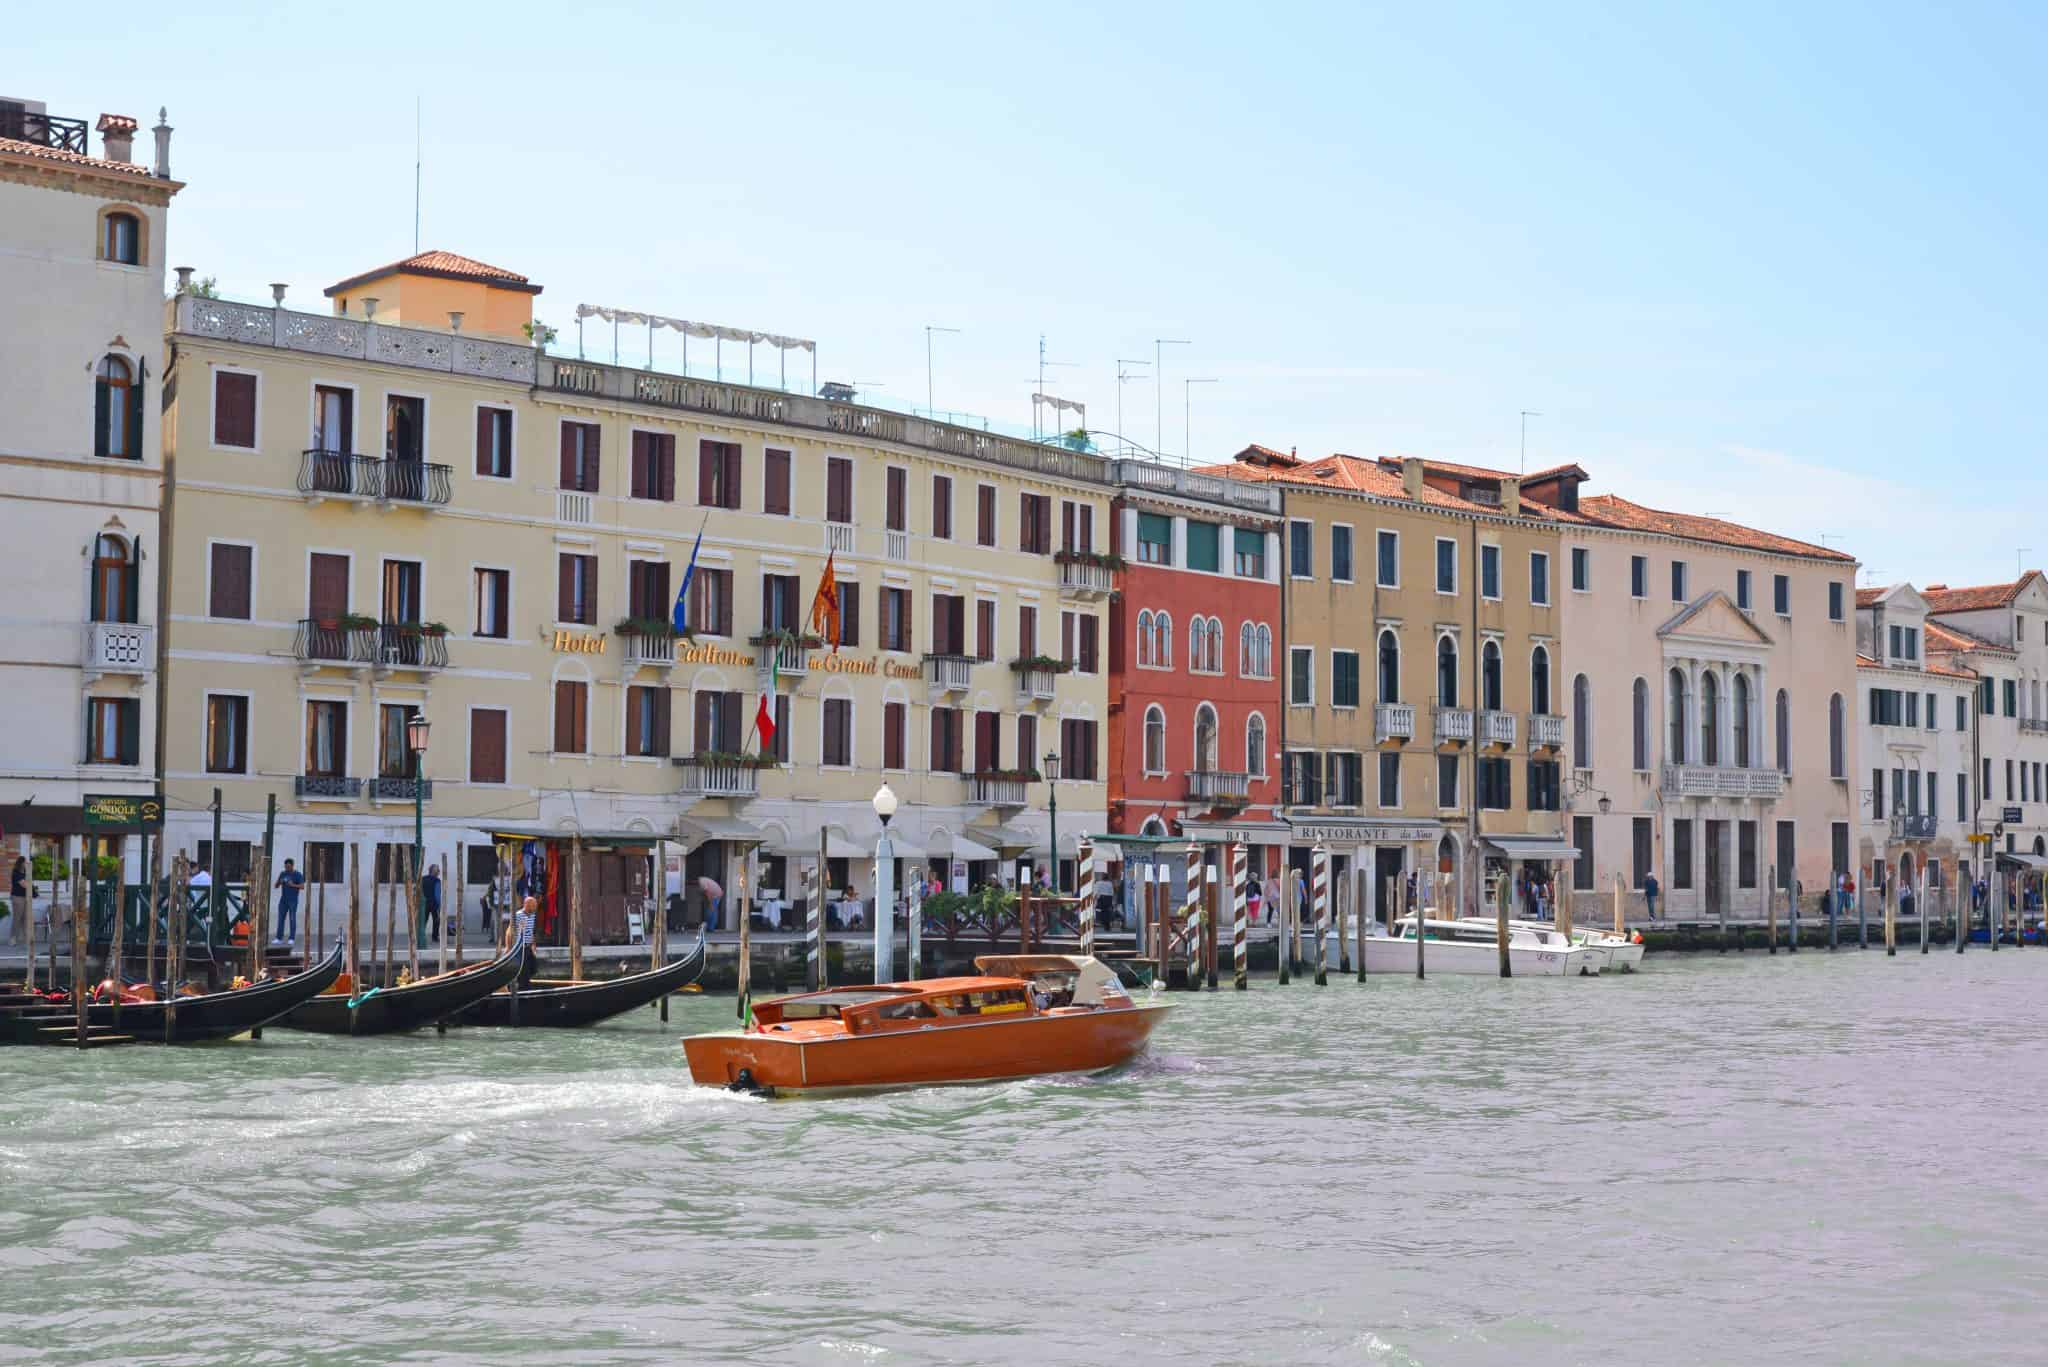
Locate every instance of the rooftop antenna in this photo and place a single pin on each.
(1123, 377)
(1036, 433)
(1159, 345)
(929, 328)
(416, 159)
(1527, 414)
(1187, 425)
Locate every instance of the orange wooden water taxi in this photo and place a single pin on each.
(1031, 1015)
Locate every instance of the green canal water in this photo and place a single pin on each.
(1828, 1159)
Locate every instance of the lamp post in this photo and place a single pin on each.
(1052, 808)
(416, 729)
(885, 887)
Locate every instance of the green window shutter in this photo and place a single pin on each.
(1155, 527)
(134, 451)
(1249, 542)
(1204, 546)
(99, 418)
(132, 592)
(96, 609)
(130, 740)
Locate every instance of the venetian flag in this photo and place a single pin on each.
(825, 606)
(679, 616)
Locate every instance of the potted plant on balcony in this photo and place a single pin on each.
(433, 628)
(351, 621)
(782, 636)
(1009, 775)
(733, 759)
(646, 626)
(1026, 664)
(1103, 560)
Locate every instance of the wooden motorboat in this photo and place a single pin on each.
(1032, 1015)
(390, 1010)
(199, 1017)
(540, 1001)
(1471, 945)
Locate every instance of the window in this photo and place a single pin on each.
(572, 705)
(1877, 790)
(326, 862)
(113, 730)
(1446, 565)
(1390, 778)
(1639, 850)
(1346, 779)
(326, 739)
(779, 603)
(1091, 659)
(710, 604)
(895, 619)
(895, 719)
(1639, 576)
(1390, 667)
(1205, 739)
(394, 753)
(1582, 570)
(1249, 560)
(1077, 527)
(1582, 722)
(1446, 672)
(1539, 578)
(1301, 676)
(988, 742)
(647, 597)
(1027, 741)
(1838, 763)
(334, 419)
(1034, 524)
(2011, 698)
(1027, 631)
(1742, 595)
(1783, 722)
(1745, 854)
(1678, 581)
(1446, 782)
(1389, 567)
(1681, 853)
(1539, 682)
(1489, 676)
(1301, 550)
(1204, 546)
(654, 466)
(837, 719)
(117, 411)
(1639, 726)
(1677, 714)
(838, 489)
(1340, 554)
(1255, 746)
(1077, 749)
(718, 474)
(984, 514)
(2008, 783)
(1343, 678)
(985, 629)
(647, 721)
(1739, 712)
(227, 734)
(234, 409)
(1834, 600)
(1884, 707)
(405, 428)
(1155, 539)
(494, 603)
(942, 507)
(579, 456)
(1155, 741)
(1543, 785)
(1489, 571)
(494, 443)
(228, 580)
(1962, 797)
(775, 483)
(896, 499)
(1962, 713)
(783, 732)
(716, 727)
(1781, 595)
(233, 864)
(487, 734)
(121, 239)
(1496, 783)
(576, 589)
(1582, 865)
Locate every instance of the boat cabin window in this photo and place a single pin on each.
(916, 1008)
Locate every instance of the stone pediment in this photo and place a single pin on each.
(1714, 617)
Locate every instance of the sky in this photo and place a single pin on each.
(1780, 264)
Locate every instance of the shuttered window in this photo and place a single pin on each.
(838, 489)
(1204, 546)
(1027, 631)
(782, 731)
(654, 466)
(718, 474)
(945, 748)
(893, 717)
(717, 723)
(572, 698)
(234, 409)
(838, 721)
(985, 515)
(849, 614)
(949, 624)
(647, 590)
(647, 721)
(1090, 661)
(1077, 749)
(579, 456)
(896, 513)
(494, 443)
(775, 483)
(988, 742)
(487, 745)
(711, 602)
(895, 611)
(985, 629)
(493, 603)
(576, 596)
(1027, 741)
(113, 731)
(228, 582)
(942, 507)
(1034, 524)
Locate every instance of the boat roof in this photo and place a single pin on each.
(1024, 965)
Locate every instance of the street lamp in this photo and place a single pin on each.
(1052, 807)
(416, 729)
(885, 886)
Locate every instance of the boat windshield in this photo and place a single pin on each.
(826, 1005)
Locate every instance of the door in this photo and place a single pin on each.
(1717, 834)
(401, 607)
(1386, 885)
(334, 419)
(326, 605)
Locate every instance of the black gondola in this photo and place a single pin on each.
(214, 1016)
(585, 1003)
(387, 1011)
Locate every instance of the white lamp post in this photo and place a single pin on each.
(885, 887)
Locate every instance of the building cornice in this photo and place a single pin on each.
(78, 179)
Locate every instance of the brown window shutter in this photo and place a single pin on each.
(729, 722)
(703, 740)
(1027, 741)
(484, 421)
(565, 590)
(1088, 661)
(1027, 631)
(937, 757)
(234, 409)
(590, 603)
(725, 602)
(486, 746)
(501, 600)
(707, 471)
(732, 475)
(565, 728)
(569, 480)
(633, 720)
(985, 629)
(636, 467)
(832, 724)
(663, 698)
(1087, 524)
(782, 737)
(1066, 525)
(985, 514)
(1067, 638)
(581, 715)
(892, 735)
(665, 467)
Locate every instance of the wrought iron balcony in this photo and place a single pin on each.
(1497, 728)
(44, 130)
(1219, 787)
(1454, 726)
(1081, 579)
(1913, 825)
(326, 786)
(716, 778)
(1393, 721)
(1713, 780)
(401, 789)
(119, 648)
(330, 643)
(403, 646)
(412, 481)
(336, 474)
(1546, 731)
(948, 673)
(989, 791)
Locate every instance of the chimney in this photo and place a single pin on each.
(117, 132)
(1411, 477)
(163, 143)
(1511, 496)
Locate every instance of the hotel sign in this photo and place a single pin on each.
(579, 642)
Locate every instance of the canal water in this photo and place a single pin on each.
(1811, 1158)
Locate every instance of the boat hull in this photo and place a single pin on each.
(398, 1009)
(214, 1016)
(584, 1003)
(1387, 955)
(984, 1051)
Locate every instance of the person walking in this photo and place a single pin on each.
(430, 906)
(1650, 891)
(19, 899)
(288, 884)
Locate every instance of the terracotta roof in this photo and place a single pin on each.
(1867, 598)
(446, 266)
(1941, 636)
(1614, 511)
(1942, 598)
(38, 152)
(1862, 660)
(1344, 472)
(1444, 467)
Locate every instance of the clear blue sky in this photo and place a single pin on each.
(1783, 269)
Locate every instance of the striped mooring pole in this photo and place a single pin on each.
(814, 930)
(1085, 856)
(1241, 959)
(1319, 859)
(1191, 916)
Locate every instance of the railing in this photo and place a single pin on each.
(1497, 728)
(789, 658)
(1453, 726)
(404, 647)
(948, 673)
(1301, 790)
(573, 505)
(326, 786)
(1035, 685)
(701, 779)
(204, 931)
(119, 648)
(995, 792)
(1080, 577)
(44, 130)
(896, 545)
(2033, 724)
(323, 334)
(412, 481)
(1219, 786)
(330, 643)
(1393, 721)
(656, 650)
(839, 537)
(1546, 730)
(338, 474)
(1710, 780)
(401, 789)
(1913, 825)
(1145, 474)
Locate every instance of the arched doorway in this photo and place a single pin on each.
(1443, 893)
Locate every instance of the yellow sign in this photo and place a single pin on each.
(579, 642)
(713, 655)
(1978, 839)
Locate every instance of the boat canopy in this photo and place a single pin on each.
(1092, 979)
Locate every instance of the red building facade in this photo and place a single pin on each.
(1195, 659)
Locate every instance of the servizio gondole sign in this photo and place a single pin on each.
(120, 809)
(593, 643)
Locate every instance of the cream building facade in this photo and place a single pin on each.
(377, 519)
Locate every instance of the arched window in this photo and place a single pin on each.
(1390, 667)
(1838, 761)
(1639, 727)
(1155, 741)
(1489, 676)
(113, 580)
(1205, 738)
(1265, 651)
(1677, 710)
(117, 411)
(1162, 648)
(1710, 718)
(1446, 672)
(1195, 633)
(1215, 646)
(1740, 707)
(1539, 681)
(1247, 651)
(121, 239)
(1582, 723)
(1255, 746)
(1146, 647)
(1784, 724)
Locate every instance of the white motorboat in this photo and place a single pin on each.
(1624, 955)
(1471, 945)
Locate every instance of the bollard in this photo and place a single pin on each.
(1771, 913)
(1319, 865)
(1241, 959)
(1290, 898)
(1191, 914)
(1891, 939)
(1863, 896)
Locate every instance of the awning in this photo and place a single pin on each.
(698, 830)
(960, 847)
(2020, 859)
(501, 833)
(1529, 846)
(1010, 838)
(837, 846)
(906, 848)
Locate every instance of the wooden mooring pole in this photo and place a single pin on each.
(152, 901)
(1770, 911)
(177, 925)
(79, 916)
(1319, 866)
(1239, 949)
(355, 920)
